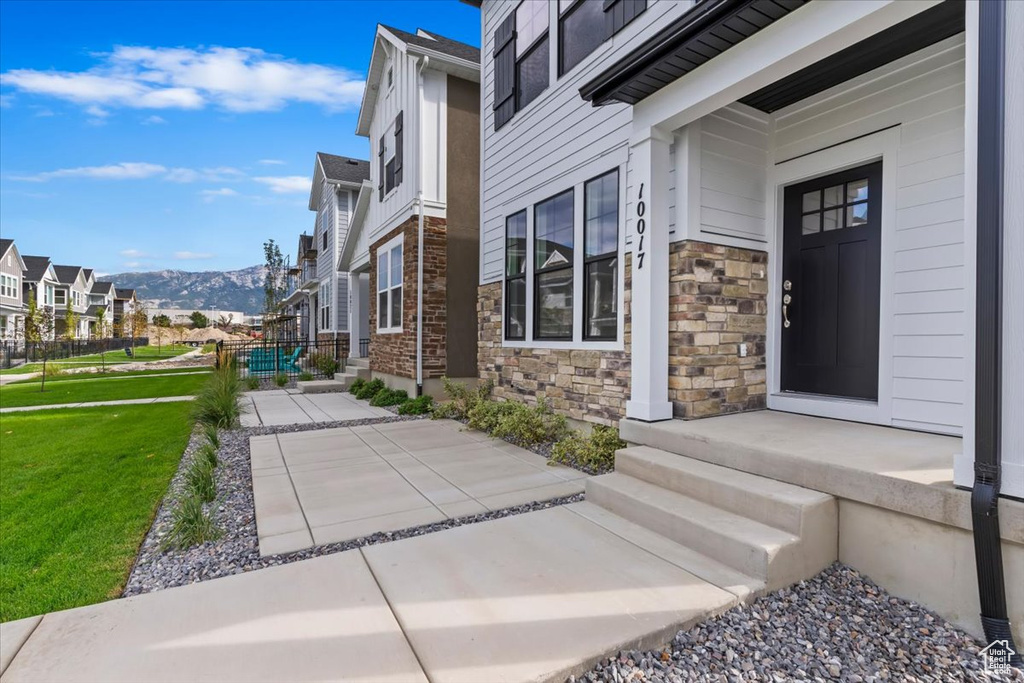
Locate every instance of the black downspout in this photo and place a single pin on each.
(988, 400)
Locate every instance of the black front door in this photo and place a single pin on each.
(830, 269)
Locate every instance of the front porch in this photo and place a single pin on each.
(899, 511)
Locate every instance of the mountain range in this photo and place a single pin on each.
(232, 290)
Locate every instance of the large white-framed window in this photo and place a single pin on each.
(48, 295)
(60, 297)
(9, 285)
(563, 285)
(325, 305)
(390, 285)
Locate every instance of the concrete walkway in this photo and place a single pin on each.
(532, 597)
(289, 406)
(332, 485)
(93, 404)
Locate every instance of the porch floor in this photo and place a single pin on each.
(896, 469)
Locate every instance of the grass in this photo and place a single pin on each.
(143, 354)
(110, 374)
(78, 491)
(106, 389)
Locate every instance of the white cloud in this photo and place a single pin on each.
(133, 253)
(132, 264)
(209, 195)
(126, 170)
(153, 120)
(271, 162)
(97, 112)
(193, 255)
(285, 184)
(234, 79)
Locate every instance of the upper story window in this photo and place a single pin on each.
(532, 53)
(389, 286)
(9, 286)
(48, 295)
(60, 297)
(581, 28)
(389, 155)
(391, 76)
(324, 226)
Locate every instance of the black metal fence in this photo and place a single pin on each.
(364, 348)
(296, 359)
(14, 353)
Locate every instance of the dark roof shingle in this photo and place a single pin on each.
(5, 244)
(439, 43)
(344, 169)
(35, 267)
(67, 275)
(123, 293)
(101, 287)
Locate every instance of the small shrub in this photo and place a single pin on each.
(462, 399)
(595, 453)
(420, 405)
(484, 416)
(217, 403)
(190, 525)
(208, 453)
(212, 435)
(356, 385)
(305, 376)
(389, 397)
(529, 425)
(199, 480)
(281, 379)
(53, 370)
(370, 389)
(324, 364)
(252, 383)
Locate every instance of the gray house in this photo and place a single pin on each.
(12, 303)
(72, 292)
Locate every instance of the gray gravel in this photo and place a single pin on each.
(237, 550)
(837, 626)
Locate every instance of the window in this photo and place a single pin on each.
(515, 276)
(325, 306)
(532, 55)
(9, 286)
(833, 208)
(581, 28)
(391, 76)
(553, 267)
(389, 286)
(60, 297)
(601, 257)
(324, 225)
(390, 157)
(48, 295)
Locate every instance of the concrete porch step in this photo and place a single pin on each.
(357, 363)
(790, 508)
(321, 386)
(774, 556)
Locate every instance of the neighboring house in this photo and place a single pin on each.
(298, 319)
(697, 209)
(72, 291)
(12, 302)
(41, 282)
(124, 307)
(416, 219)
(101, 309)
(336, 183)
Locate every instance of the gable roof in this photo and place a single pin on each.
(124, 293)
(87, 273)
(446, 55)
(343, 169)
(67, 275)
(101, 287)
(36, 267)
(5, 244)
(437, 42)
(305, 244)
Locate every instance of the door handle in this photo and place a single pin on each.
(785, 309)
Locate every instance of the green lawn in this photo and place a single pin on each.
(78, 491)
(105, 389)
(143, 354)
(112, 374)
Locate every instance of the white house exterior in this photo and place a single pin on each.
(12, 303)
(72, 291)
(416, 217)
(41, 282)
(697, 209)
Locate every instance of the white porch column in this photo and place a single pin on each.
(355, 315)
(649, 169)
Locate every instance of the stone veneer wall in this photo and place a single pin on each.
(717, 300)
(395, 354)
(583, 384)
(341, 343)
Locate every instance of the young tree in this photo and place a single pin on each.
(199, 320)
(273, 285)
(71, 318)
(180, 331)
(33, 320)
(102, 324)
(140, 318)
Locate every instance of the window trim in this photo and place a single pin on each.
(387, 247)
(577, 180)
(537, 272)
(509, 278)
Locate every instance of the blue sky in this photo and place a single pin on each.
(150, 135)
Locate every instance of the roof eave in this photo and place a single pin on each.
(356, 226)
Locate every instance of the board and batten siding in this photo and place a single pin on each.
(922, 94)
(558, 134)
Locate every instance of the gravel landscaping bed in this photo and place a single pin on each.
(237, 550)
(837, 626)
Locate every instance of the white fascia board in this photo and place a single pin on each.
(440, 61)
(318, 174)
(372, 87)
(355, 227)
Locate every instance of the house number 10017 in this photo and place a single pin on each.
(641, 228)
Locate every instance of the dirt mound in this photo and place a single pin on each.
(168, 335)
(204, 333)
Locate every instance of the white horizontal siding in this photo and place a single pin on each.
(556, 135)
(922, 94)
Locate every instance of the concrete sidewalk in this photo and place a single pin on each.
(526, 598)
(289, 406)
(93, 404)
